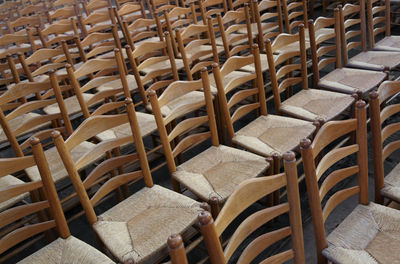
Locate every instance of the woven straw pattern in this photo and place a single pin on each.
(272, 134)
(376, 60)
(389, 43)
(181, 101)
(56, 165)
(391, 188)
(146, 122)
(18, 121)
(138, 227)
(218, 171)
(70, 250)
(370, 234)
(6, 182)
(71, 103)
(349, 80)
(315, 104)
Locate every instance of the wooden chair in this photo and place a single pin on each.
(66, 247)
(57, 32)
(350, 31)
(295, 14)
(341, 79)
(178, 18)
(267, 135)
(267, 21)
(99, 21)
(382, 130)
(95, 45)
(142, 29)
(24, 22)
(213, 174)
(94, 6)
(362, 237)
(197, 53)
(154, 212)
(210, 8)
(246, 194)
(154, 68)
(158, 6)
(308, 104)
(129, 11)
(17, 42)
(379, 22)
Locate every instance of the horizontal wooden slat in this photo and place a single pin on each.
(334, 156)
(335, 177)
(13, 214)
(12, 191)
(337, 198)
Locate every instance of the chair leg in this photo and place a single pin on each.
(277, 168)
(214, 204)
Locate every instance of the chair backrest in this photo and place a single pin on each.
(97, 21)
(131, 11)
(24, 22)
(17, 42)
(141, 63)
(238, 106)
(158, 6)
(321, 178)
(284, 65)
(102, 71)
(62, 13)
(19, 118)
(103, 172)
(378, 19)
(228, 27)
(55, 33)
(192, 51)
(95, 44)
(268, 16)
(179, 18)
(142, 29)
(95, 6)
(382, 129)
(295, 14)
(43, 197)
(209, 8)
(246, 194)
(323, 44)
(353, 28)
(179, 139)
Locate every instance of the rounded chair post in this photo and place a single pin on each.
(211, 238)
(176, 249)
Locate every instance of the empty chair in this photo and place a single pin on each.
(245, 195)
(341, 79)
(136, 229)
(215, 172)
(369, 234)
(267, 134)
(353, 26)
(308, 104)
(382, 143)
(66, 248)
(378, 24)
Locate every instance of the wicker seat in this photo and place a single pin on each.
(273, 134)
(375, 60)
(6, 182)
(57, 169)
(71, 250)
(349, 80)
(390, 43)
(202, 174)
(142, 233)
(313, 104)
(370, 234)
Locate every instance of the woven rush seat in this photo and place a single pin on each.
(138, 227)
(375, 60)
(391, 43)
(218, 171)
(391, 188)
(349, 80)
(272, 134)
(146, 122)
(57, 169)
(71, 103)
(370, 234)
(18, 121)
(6, 182)
(70, 250)
(192, 98)
(313, 104)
